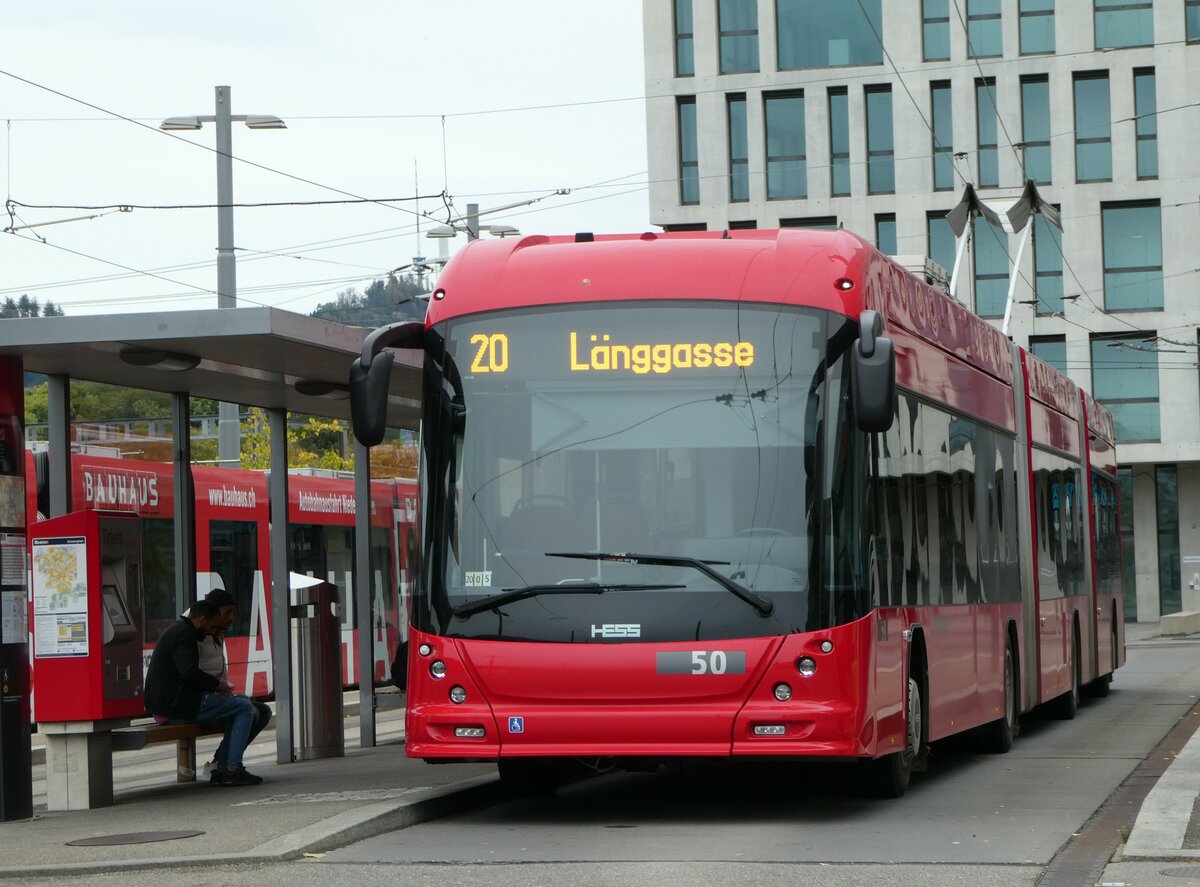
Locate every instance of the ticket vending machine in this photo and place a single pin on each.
(86, 571)
(87, 617)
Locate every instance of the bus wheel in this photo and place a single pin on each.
(528, 778)
(1068, 703)
(1099, 687)
(998, 735)
(890, 775)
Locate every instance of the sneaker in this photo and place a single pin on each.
(234, 776)
(210, 767)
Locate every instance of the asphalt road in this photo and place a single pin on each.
(973, 819)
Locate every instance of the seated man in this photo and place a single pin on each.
(177, 689)
(212, 660)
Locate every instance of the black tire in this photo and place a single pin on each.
(890, 775)
(1068, 703)
(1099, 688)
(998, 736)
(528, 777)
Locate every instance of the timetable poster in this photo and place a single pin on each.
(60, 600)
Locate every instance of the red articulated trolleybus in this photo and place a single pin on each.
(751, 494)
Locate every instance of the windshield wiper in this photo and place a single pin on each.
(509, 595)
(764, 606)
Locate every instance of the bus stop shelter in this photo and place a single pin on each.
(262, 357)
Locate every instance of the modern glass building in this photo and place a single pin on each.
(874, 115)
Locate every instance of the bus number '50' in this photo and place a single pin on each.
(492, 355)
(709, 662)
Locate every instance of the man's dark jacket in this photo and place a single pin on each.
(174, 681)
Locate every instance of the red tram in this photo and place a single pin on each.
(232, 520)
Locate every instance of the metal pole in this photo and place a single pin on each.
(228, 429)
(472, 221)
(362, 596)
(185, 504)
(1012, 279)
(58, 419)
(281, 595)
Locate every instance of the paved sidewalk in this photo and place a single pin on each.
(1162, 825)
(304, 807)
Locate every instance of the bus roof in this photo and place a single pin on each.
(789, 266)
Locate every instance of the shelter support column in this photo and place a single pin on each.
(281, 629)
(362, 595)
(185, 535)
(58, 418)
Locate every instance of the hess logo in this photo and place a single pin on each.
(617, 630)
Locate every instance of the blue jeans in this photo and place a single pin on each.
(239, 714)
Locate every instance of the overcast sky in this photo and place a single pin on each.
(493, 102)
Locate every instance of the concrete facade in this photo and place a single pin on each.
(1176, 191)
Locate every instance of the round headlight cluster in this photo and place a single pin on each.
(458, 695)
(783, 692)
(807, 666)
(437, 668)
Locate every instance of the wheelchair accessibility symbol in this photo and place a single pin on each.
(516, 725)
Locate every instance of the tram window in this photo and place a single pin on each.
(158, 578)
(233, 554)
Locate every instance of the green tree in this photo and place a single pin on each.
(387, 300)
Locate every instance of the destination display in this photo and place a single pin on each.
(627, 341)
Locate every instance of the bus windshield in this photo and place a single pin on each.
(692, 431)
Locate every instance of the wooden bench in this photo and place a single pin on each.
(79, 756)
(142, 735)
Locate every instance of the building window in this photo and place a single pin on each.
(881, 146)
(935, 29)
(1093, 128)
(839, 142)
(1035, 128)
(988, 175)
(943, 135)
(820, 223)
(685, 62)
(1047, 266)
(744, 225)
(787, 163)
(739, 157)
(983, 29)
(686, 226)
(1125, 379)
(1166, 501)
(820, 34)
(738, 24)
(689, 163)
(885, 233)
(1132, 238)
(1145, 107)
(940, 238)
(1191, 10)
(1122, 23)
(991, 269)
(1051, 349)
(1037, 26)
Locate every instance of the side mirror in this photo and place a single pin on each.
(370, 375)
(368, 397)
(873, 375)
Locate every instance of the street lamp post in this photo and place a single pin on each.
(228, 427)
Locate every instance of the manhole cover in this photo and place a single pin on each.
(1189, 871)
(132, 838)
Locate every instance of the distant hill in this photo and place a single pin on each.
(384, 301)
